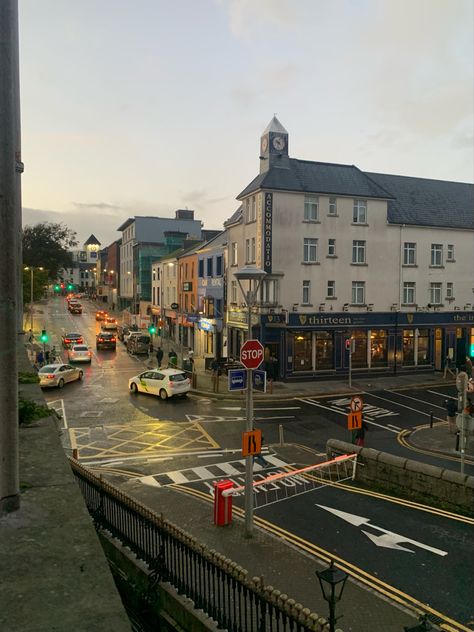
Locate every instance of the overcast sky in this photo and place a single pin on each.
(140, 107)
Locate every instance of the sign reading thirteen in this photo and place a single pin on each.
(251, 354)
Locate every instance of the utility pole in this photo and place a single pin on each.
(10, 249)
(461, 385)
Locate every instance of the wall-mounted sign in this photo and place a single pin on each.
(267, 232)
(187, 286)
(206, 325)
(174, 306)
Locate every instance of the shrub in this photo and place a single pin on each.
(28, 410)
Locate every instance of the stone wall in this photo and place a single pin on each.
(405, 477)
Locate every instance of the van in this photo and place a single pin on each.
(138, 343)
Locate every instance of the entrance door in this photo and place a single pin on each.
(438, 349)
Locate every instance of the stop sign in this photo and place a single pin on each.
(251, 354)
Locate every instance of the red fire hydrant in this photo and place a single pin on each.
(222, 504)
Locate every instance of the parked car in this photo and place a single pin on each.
(105, 340)
(79, 353)
(163, 383)
(101, 314)
(75, 307)
(138, 343)
(124, 330)
(109, 323)
(72, 339)
(58, 375)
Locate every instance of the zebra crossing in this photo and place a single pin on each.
(229, 469)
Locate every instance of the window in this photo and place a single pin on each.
(219, 265)
(251, 209)
(358, 292)
(331, 290)
(252, 250)
(209, 267)
(358, 251)
(450, 252)
(306, 292)
(201, 268)
(233, 258)
(269, 291)
(435, 293)
(331, 247)
(449, 290)
(310, 250)
(310, 208)
(332, 206)
(359, 213)
(436, 255)
(247, 251)
(233, 292)
(409, 293)
(409, 253)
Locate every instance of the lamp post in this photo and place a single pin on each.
(32, 269)
(254, 276)
(332, 581)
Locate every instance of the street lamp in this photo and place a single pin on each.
(332, 581)
(31, 269)
(254, 276)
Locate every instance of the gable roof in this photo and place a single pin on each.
(425, 202)
(317, 177)
(92, 240)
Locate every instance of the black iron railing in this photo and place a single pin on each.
(215, 584)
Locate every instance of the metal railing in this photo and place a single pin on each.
(218, 586)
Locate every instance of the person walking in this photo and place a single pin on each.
(468, 367)
(258, 458)
(360, 434)
(30, 335)
(159, 357)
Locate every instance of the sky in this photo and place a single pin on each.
(141, 107)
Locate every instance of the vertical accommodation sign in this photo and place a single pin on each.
(267, 232)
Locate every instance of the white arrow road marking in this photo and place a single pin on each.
(390, 540)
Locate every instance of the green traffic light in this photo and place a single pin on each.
(44, 336)
(70, 287)
(152, 329)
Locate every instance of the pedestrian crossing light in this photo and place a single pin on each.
(152, 330)
(44, 336)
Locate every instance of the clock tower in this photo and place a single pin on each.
(274, 146)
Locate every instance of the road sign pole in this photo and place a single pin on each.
(350, 368)
(249, 461)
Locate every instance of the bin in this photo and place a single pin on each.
(222, 504)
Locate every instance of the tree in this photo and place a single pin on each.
(48, 245)
(40, 283)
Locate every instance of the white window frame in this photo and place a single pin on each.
(306, 300)
(247, 251)
(409, 293)
(358, 251)
(409, 253)
(449, 289)
(311, 208)
(233, 292)
(436, 291)
(252, 250)
(436, 255)
(234, 258)
(359, 212)
(310, 248)
(358, 293)
(331, 289)
(332, 206)
(450, 253)
(269, 289)
(331, 247)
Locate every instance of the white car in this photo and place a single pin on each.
(79, 353)
(163, 383)
(58, 375)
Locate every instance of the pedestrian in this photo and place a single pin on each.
(52, 354)
(258, 458)
(150, 348)
(360, 434)
(159, 357)
(40, 358)
(468, 367)
(30, 335)
(451, 410)
(46, 356)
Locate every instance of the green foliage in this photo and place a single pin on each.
(40, 282)
(48, 245)
(29, 411)
(28, 377)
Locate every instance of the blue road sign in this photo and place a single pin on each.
(237, 379)
(259, 380)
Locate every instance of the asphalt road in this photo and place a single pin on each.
(198, 440)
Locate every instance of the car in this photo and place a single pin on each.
(75, 307)
(101, 314)
(132, 334)
(138, 343)
(106, 340)
(124, 330)
(58, 375)
(79, 353)
(163, 383)
(109, 323)
(72, 339)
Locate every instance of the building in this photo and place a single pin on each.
(83, 273)
(108, 273)
(386, 261)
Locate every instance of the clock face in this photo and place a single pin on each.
(264, 144)
(278, 143)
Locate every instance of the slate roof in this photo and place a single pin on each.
(274, 126)
(317, 177)
(92, 241)
(235, 217)
(425, 202)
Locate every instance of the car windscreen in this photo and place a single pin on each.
(177, 377)
(48, 369)
(145, 339)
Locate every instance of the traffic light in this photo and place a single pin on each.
(44, 336)
(57, 288)
(152, 329)
(70, 287)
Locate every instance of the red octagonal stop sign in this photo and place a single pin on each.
(251, 354)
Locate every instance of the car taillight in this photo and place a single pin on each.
(89, 353)
(112, 340)
(50, 376)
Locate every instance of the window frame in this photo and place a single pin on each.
(307, 249)
(332, 209)
(234, 254)
(359, 207)
(331, 289)
(409, 287)
(409, 252)
(311, 203)
(331, 246)
(306, 295)
(436, 253)
(450, 253)
(358, 250)
(356, 287)
(436, 288)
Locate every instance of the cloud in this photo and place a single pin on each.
(246, 16)
(100, 205)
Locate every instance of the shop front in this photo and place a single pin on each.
(316, 345)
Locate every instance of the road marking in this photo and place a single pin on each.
(389, 540)
(422, 401)
(415, 410)
(334, 410)
(442, 395)
(280, 408)
(394, 427)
